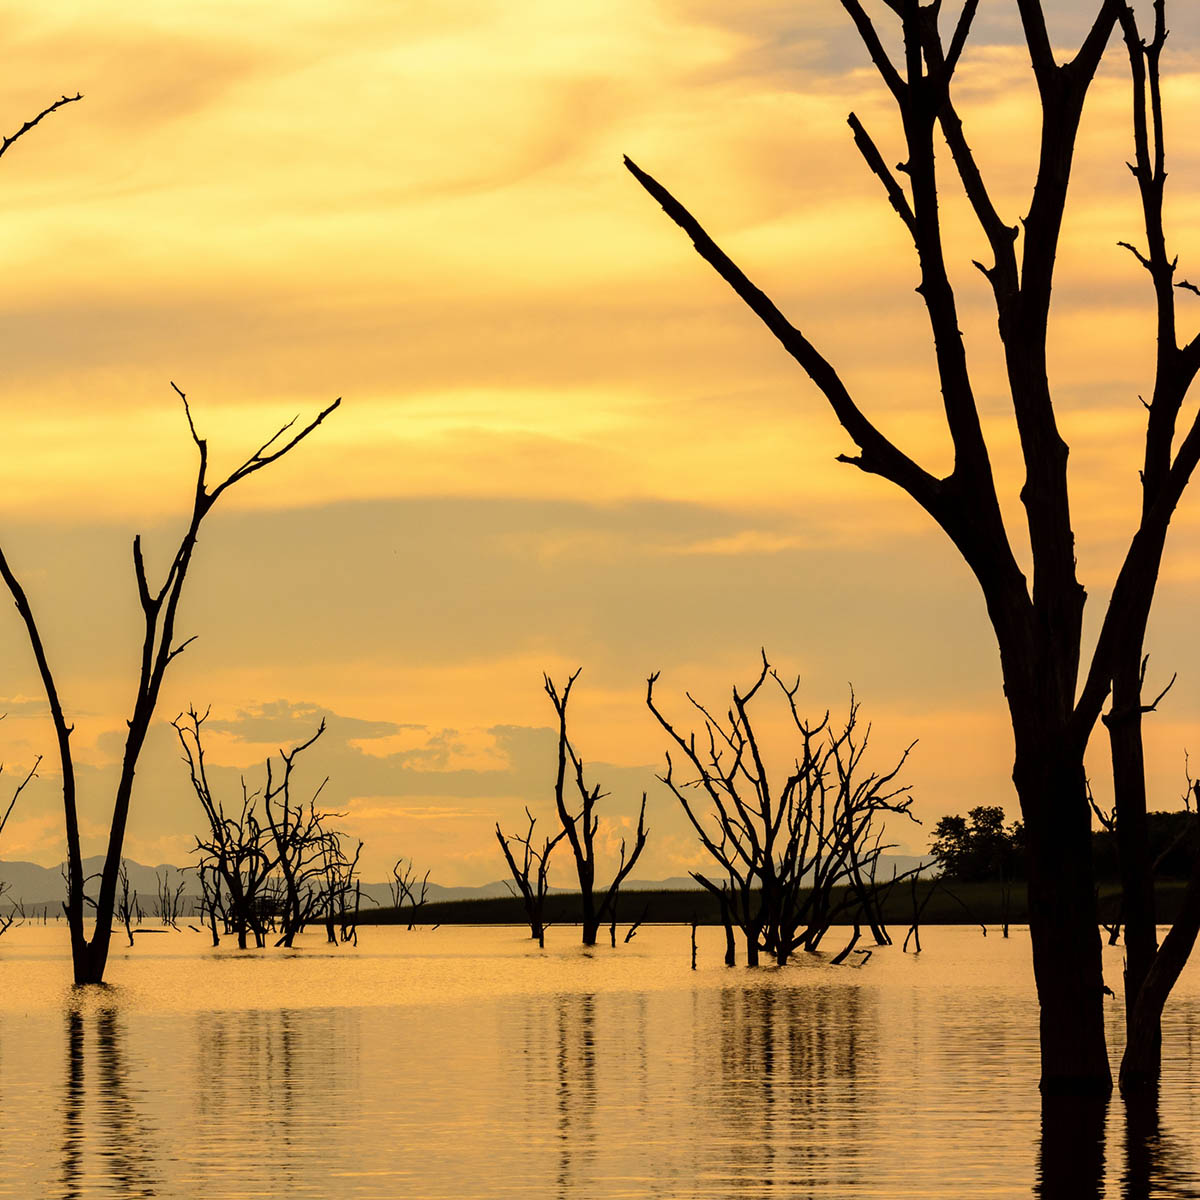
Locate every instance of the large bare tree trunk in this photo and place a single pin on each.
(1064, 927)
(1124, 723)
(1037, 622)
(159, 649)
(1142, 1061)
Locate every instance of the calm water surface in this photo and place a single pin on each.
(463, 1062)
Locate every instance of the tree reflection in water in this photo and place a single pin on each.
(115, 1125)
(787, 1083)
(1072, 1157)
(575, 1090)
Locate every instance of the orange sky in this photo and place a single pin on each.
(562, 441)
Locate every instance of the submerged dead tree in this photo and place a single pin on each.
(160, 607)
(581, 828)
(1150, 970)
(1054, 696)
(278, 871)
(795, 858)
(170, 898)
(341, 888)
(407, 890)
(532, 875)
(16, 909)
(233, 859)
(299, 837)
(127, 901)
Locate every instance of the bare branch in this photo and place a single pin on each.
(874, 160)
(879, 56)
(879, 456)
(8, 141)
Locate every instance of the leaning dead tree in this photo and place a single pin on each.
(16, 909)
(581, 828)
(1054, 697)
(160, 607)
(795, 856)
(6, 143)
(531, 876)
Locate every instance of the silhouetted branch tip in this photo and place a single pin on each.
(8, 141)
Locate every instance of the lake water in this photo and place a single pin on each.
(464, 1063)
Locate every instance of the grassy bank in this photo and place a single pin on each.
(951, 904)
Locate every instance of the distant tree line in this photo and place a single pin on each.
(980, 848)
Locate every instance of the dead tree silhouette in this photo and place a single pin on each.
(170, 898)
(581, 829)
(407, 889)
(16, 912)
(234, 862)
(340, 888)
(1054, 699)
(283, 871)
(1150, 970)
(126, 901)
(16, 909)
(299, 837)
(532, 876)
(159, 649)
(791, 861)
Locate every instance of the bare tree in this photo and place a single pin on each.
(170, 898)
(126, 901)
(299, 837)
(407, 889)
(234, 861)
(532, 875)
(278, 874)
(1167, 466)
(6, 143)
(340, 891)
(1141, 1063)
(211, 897)
(16, 909)
(1053, 703)
(581, 828)
(791, 860)
(1107, 819)
(159, 649)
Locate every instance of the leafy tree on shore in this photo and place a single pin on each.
(978, 847)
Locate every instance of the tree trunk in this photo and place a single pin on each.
(1064, 922)
(727, 922)
(591, 923)
(1071, 1158)
(1137, 868)
(1141, 1063)
(752, 934)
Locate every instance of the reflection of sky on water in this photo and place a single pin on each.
(602, 1074)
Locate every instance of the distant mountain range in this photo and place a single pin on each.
(38, 887)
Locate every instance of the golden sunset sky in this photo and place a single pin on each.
(563, 442)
